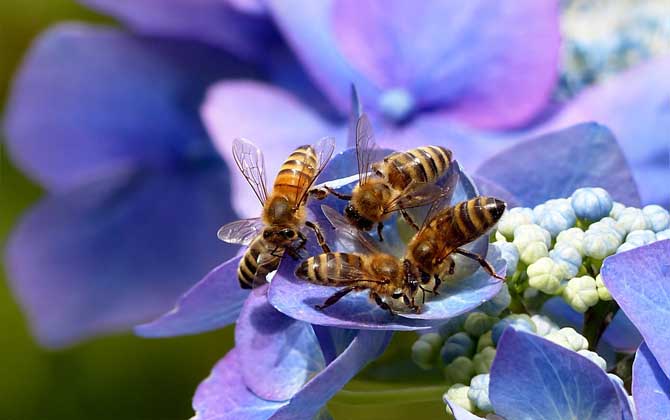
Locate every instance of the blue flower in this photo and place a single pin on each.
(591, 204)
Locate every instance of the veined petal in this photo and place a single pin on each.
(639, 281)
(90, 101)
(271, 118)
(220, 23)
(278, 354)
(117, 252)
(584, 155)
(223, 395)
(651, 386)
(214, 302)
(533, 378)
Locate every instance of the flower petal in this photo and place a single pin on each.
(466, 58)
(223, 395)
(365, 347)
(214, 302)
(117, 252)
(584, 155)
(459, 412)
(270, 117)
(627, 409)
(534, 378)
(211, 21)
(635, 105)
(278, 354)
(109, 101)
(639, 280)
(651, 387)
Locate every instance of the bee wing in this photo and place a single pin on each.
(365, 147)
(241, 231)
(323, 149)
(419, 194)
(348, 231)
(448, 187)
(249, 159)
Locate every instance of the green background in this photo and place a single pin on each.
(119, 377)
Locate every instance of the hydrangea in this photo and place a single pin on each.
(555, 215)
(568, 257)
(601, 242)
(591, 204)
(479, 392)
(513, 218)
(547, 275)
(632, 218)
(532, 241)
(658, 217)
(568, 338)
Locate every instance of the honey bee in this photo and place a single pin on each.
(401, 181)
(446, 230)
(278, 230)
(392, 283)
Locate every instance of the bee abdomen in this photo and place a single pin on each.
(476, 216)
(248, 268)
(297, 172)
(329, 268)
(423, 164)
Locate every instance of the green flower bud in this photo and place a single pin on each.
(458, 394)
(477, 323)
(460, 371)
(486, 340)
(547, 276)
(533, 242)
(581, 293)
(483, 360)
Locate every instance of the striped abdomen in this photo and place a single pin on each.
(257, 262)
(423, 164)
(296, 174)
(468, 220)
(333, 268)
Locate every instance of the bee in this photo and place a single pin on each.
(392, 283)
(401, 181)
(278, 230)
(446, 229)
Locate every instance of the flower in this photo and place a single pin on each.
(591, 204)
(581, 293)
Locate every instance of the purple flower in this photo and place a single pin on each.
(639, 280)
(282, 368)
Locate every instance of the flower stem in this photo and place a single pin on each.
(596, 320)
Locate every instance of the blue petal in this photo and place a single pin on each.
(639, 280)
(365, 347)
(223, 395)
(118, 252)
(651, 387)
(108, 102)
(459, 412)
(211, 21)
(627, 409)
(585, 155)
(212, 303)
(277, 354)
(533, 378)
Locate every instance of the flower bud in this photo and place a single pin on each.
(595, 358)
(632, 218)
(641, 237)
(486, 340)
(568, 338)
(591, 204)
(544, 325)
(581, 293)
(520, 322)
(603, 293)
(477, 323)
(664, 234)
(459, 344)
(479, 392)
(555, 216)
(568, 256)
(617, 208)
(547, 276)
(510, 254)
(459, 371)
(458, 394)
(601, 243)
(483, 360)
(514, 218)
(426, 349)
(498, 303)
(573, 237)
(659, 217)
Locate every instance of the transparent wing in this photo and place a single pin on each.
(323, 149)
(365, 147)
(348, 232)
(249, 159)
(450, 180)
(241, 232)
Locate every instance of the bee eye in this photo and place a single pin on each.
(289, 233)
(397, 295)
(266, 234)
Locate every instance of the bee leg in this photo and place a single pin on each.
(379, 301)
(438, 281)
(334, 298)
(452, 266)
(321, 193)
(482, 261)
(319, 236)
(409, 219)
(380, 227)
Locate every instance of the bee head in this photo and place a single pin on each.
(278, 235)
(356, 219)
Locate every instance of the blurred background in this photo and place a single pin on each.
(112, 378)
(127, 377)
